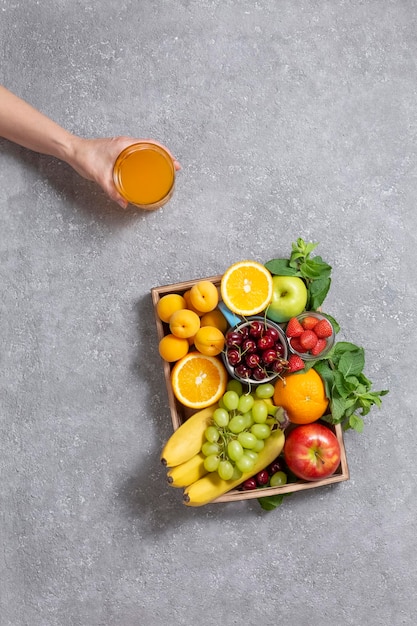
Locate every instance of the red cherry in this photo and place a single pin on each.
(249, 484)
(259, 373)
(256, 329)
(273, 333)
(233, 357)
(249, 346)
(269, 356)
(243, 371)
(275, 466)
(252, 360)
(233, 338)
(279, 348)
(265, 342)
(262, 478)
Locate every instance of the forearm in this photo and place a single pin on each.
(24, 125)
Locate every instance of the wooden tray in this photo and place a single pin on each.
(180, 413)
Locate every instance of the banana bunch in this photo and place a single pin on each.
(185, 463)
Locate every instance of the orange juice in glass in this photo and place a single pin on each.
(144, 174)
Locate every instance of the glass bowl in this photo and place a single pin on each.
(307, 356)
(255, 329)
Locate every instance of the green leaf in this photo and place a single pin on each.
(315, 269)
(343, 386)
(337, 407)
(352, 363)
(317, 292)
(268, 503)
(281, 267)
(356, 423)
(327, 375)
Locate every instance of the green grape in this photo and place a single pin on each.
(248, 419)
(245, 464)
(252, 455)
(225, 470)
(260, 412)
(231, 400)
(212, 434)
(236, 473)
(278, 479)
(208, 448)
(221, 417)
(245, 403)
(211, 463)
(221, 403)
(234, 450)
(260, 444)
(235, 385)
(266, 390)
(237, 424)
(272, 409)
(261, 431)
(247, 440)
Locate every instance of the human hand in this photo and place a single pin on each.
(93, 159)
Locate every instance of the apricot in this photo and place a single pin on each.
(209, 340)
(184, 323)
(188, 303)
(204, 296)
(168, 304)
(172, 348)
(215, 318)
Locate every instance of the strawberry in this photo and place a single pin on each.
(309, 322)
(296, 345)
(319, 347)
(308, 339)
(323, 329)
(294, 328)
(295, 363)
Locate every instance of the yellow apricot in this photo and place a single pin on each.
(215, 318)
(189, 304)
(204, 296)
(209, 340)
(172, 348)
(168, 304)
(184, 323)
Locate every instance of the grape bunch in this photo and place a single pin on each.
(255, 350)
(240, 426)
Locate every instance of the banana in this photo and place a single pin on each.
(212, 486)
(186, 441)
(187, 473)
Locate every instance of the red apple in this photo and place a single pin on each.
(312, 451)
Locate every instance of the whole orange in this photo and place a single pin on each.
(302, 395)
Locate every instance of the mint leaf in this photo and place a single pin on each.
(269, 503)
(352, 363)
(281, 267)
(356, 423)
(317, 292)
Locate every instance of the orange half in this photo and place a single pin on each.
(198, 380)
(246, 288)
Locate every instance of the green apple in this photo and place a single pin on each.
(289, 298)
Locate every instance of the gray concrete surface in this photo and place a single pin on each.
(290, 118)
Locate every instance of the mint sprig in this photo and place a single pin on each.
(315, 272)
(348, 389)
